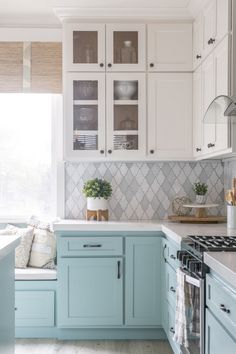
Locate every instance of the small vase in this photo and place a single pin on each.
(200, 199)
(97, 203)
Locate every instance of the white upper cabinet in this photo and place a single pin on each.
(197, 113)
(170, 47)
(84, 47)
(125, 47)
(126, 115)
(216, 19)
(197, 41)
(100, 47)
(170, 115)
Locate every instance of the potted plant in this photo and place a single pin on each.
(200, 190)
(97, 191)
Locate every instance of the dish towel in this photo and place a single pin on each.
(195, 321)
(182, 304)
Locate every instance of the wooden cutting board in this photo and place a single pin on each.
(209, 219)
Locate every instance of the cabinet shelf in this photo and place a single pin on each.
(85, 132)
(126, 102)
(85, 102)
(126, 132)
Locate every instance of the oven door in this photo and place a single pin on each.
(195, 316)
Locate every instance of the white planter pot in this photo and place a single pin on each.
(200, 199)
(97, 204)
(231, 217)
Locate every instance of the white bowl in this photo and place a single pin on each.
(125, 90)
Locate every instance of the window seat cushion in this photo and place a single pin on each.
(35, 274)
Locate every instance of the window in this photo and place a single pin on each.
(29, 154)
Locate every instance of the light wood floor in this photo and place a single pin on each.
(38, 346)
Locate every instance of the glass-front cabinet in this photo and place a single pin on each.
(100, 47)
(84, 47)
(85, 115)
(125, 47)
(126, 115)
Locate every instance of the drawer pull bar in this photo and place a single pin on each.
(172, 289)
(92, 245)
(172, 257)
(172, 330)
(118, 270)
(224, 309)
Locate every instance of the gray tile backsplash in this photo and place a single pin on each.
(142, 190)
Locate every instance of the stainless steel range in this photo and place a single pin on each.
(191, 258)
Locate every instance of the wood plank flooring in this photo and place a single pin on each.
(41, 346)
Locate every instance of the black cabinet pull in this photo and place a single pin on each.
(102, 151)
(109, 151)
(224, 309)
(163, 253)
(172, 330)
(92, 245)
(152, 151)
(151, 65)
(118, 269)
(16, 308)
(172, 257)
(101, 65)
(198, 56)
(198, 149)
(109, 65)
(172, 289)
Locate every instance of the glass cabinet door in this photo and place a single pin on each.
(125, 47)
(85, 115)
(84, 47)
(126, 115)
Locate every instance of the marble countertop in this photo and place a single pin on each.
(7, 244)
(224, 264)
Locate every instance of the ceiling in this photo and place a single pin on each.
(41, 12)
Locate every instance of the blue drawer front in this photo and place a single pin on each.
(34, 308)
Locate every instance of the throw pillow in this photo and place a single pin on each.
(43, 251)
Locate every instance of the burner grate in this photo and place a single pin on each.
(213, 243)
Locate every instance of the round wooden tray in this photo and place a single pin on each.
(201, 208)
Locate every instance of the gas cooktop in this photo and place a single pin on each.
(198, 244)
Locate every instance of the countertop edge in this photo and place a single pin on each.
(10, 246)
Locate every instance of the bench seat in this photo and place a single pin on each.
(35, 274)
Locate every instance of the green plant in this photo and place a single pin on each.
(200, 188)
(97, 188)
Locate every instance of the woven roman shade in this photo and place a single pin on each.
(11, 67)
(46, 67)
(34, 67)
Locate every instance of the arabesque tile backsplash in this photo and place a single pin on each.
(142, 190)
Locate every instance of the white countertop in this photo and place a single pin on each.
(7, 244)
(175, 231)
(224, 264)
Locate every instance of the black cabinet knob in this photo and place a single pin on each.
(172, 289)
(198, 56)
(224, 309)
(151, 151)
(172, 257)
(109, 65)
(109, 151)
(101, 65)
(210, 145)
(172, 330)
(211, 41)
(102, 151)
(151, 65)
(198, 149)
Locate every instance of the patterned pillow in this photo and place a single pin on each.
(22, 252)
(43, 251)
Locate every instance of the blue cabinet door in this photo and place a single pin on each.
(218, 340)
(90, 292)
(143, 281)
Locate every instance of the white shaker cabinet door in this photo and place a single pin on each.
(170, 116)
(209, 27)
(197, 113)
(170, 47)
(197, 41)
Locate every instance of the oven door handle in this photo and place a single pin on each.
(192, 281)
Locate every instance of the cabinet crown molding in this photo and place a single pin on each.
(148, 13)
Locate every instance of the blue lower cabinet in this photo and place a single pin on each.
(34, 308)
(218, 339)
(143, 281)
(90, 292)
